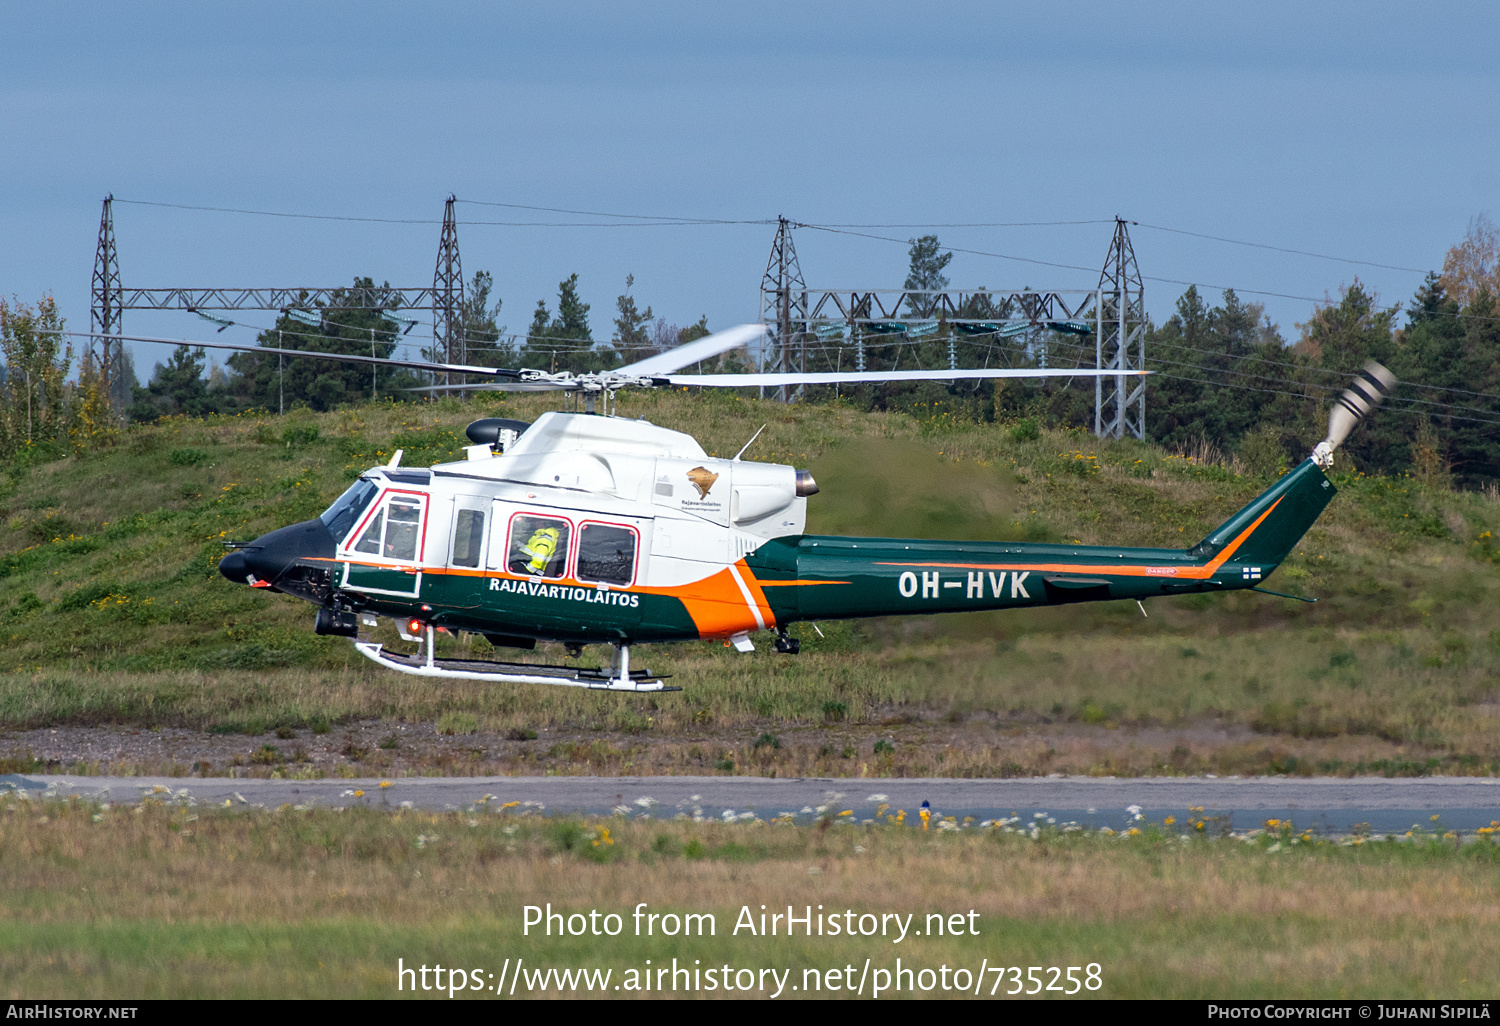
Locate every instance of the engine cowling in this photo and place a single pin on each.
(761, 490)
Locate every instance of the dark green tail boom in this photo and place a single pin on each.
(812, 577)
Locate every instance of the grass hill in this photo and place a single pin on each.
(111, 611)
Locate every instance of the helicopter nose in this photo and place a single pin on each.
(270, 555)
(235, 567)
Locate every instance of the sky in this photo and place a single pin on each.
(1357, 130)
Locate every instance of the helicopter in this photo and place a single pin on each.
(587, 528)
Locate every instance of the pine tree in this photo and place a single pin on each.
(564, 342)
(1342, 337)
(632, 337)
(271, 382)
(925, 273)
(177, 387)
(484, 338)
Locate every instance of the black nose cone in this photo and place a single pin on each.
(235, 567)
(271, 555)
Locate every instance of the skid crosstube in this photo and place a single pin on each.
(511, 673)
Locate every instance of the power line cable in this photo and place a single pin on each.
(1301, 395)
(1320, 370)
(904, 340)
(1280, 249)
(662, 218)
(648, 223)
(276, 213)
(1323, 302)
(982, 224)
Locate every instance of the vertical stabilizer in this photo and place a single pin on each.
(1271, 526)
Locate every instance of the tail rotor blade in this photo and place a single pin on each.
(1363, 395)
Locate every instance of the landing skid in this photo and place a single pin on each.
(423, 664)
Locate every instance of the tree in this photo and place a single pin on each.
(1474, 448)
(39, 410)
(564, 342)
(926, 272)
(632, 337)
(37, 357)
(1210, 363)
(572, 312)
(1177, 403)
(1474, 263)
(122, 387)
(1342, 337)
(177, 387)
(693, 332)
(485, 339)
(272, 382)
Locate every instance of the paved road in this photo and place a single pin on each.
(1463, 802)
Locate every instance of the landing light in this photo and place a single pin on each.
(415, 627)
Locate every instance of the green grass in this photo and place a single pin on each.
(111, 610)
(180, 901)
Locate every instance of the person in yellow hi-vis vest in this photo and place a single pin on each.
(541, 547)
(926, 813)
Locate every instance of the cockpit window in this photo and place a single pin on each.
(394, 531)
(402, 527)
(371, 541)
(344, 513)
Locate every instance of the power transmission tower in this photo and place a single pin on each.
(448, 294)
(1120, 343)
(784, 301)
(105, 305)
(109, 299)
(796, 315)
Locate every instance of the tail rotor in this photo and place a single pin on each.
(1363, 395)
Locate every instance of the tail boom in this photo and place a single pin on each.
(822, 577)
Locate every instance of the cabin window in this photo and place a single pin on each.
(606, 554)
(538, 546)
(395, 531)
(468, 537)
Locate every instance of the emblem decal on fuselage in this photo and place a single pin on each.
(703, 479)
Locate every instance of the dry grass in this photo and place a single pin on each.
(1328, 703)
(173, 902)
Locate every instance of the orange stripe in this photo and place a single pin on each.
(716, 604)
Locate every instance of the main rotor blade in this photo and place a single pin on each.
(858, 377)
(423, 365)
(702, 349)
(499, 386)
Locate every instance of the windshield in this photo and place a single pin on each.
(340, 517)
